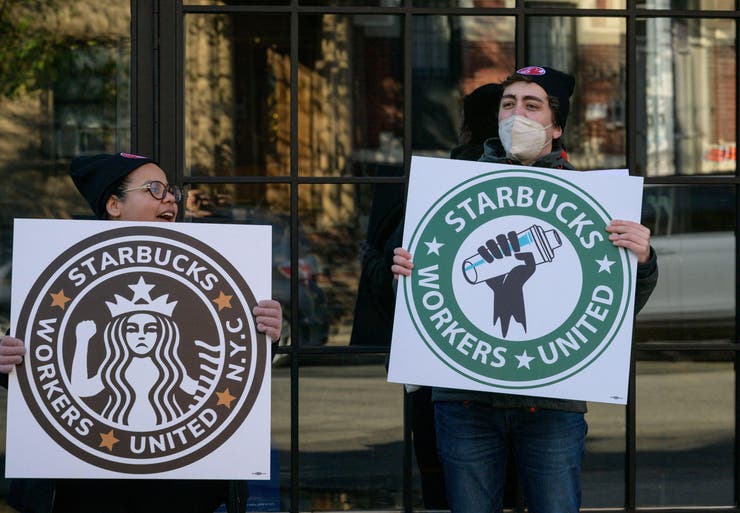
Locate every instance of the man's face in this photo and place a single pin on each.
(529, 100)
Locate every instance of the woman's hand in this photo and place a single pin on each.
(12, 351)
(402, 263)
(269, 317)
(632, 236)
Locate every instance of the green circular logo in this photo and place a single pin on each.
(515, 283)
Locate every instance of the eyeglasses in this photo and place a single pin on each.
(158, 190)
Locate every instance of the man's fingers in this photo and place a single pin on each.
(402, 263)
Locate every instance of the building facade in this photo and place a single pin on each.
(304, 114)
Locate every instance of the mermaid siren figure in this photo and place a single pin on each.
(141, 371)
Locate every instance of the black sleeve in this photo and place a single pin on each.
(647, 278)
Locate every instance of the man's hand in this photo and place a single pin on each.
(12, 351)
(402, 263)
(632, 236)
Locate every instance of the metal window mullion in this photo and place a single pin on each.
(179, 87)
(143, 69)
(630, 456)
(287, 179)
(520, 35)
(294, 332)
(168, 78)
(407, 474)
(630, 453)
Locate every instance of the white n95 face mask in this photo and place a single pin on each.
(522, 138)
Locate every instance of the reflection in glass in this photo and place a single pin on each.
(693, 234)
(354, 3)
(703, 5)
(374, 307)
(237, 95)
(64, 91)
(603, 462)
(686, 96)
(334, 219)
(452, 56)
(685, 432)
(267, 204)
(350, 95)
(234, 2)
(593, 50)
(579, 4)
(465, 3)
(351, 434)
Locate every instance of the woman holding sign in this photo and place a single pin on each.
(477, 430)
(125, 187)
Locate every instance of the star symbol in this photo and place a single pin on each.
(434, 246)
(225, 398)
(605, 264)
(223, 301)
(108, 440)
(524, 359)
(141, 291)
(59, 299)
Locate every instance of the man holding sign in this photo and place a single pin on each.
(476, 429)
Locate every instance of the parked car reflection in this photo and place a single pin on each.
(313, 312)
(693, 233)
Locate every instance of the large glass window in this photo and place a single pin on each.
(332, 135)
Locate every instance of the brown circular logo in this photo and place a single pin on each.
(143, 354)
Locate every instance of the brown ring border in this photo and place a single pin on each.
(174, 463)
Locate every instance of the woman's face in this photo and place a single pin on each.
(139, 204)
(141, 333)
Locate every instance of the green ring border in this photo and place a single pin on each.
(595, 355)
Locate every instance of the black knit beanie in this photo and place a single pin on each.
(555, 83)
(96, 176)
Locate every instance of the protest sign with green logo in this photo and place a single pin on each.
(516, 287)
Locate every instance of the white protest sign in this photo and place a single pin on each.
(143, 357)
(553, 318)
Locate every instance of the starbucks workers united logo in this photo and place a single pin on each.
(515, 282)
(143, 354)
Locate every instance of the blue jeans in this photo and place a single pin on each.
(474, 439)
